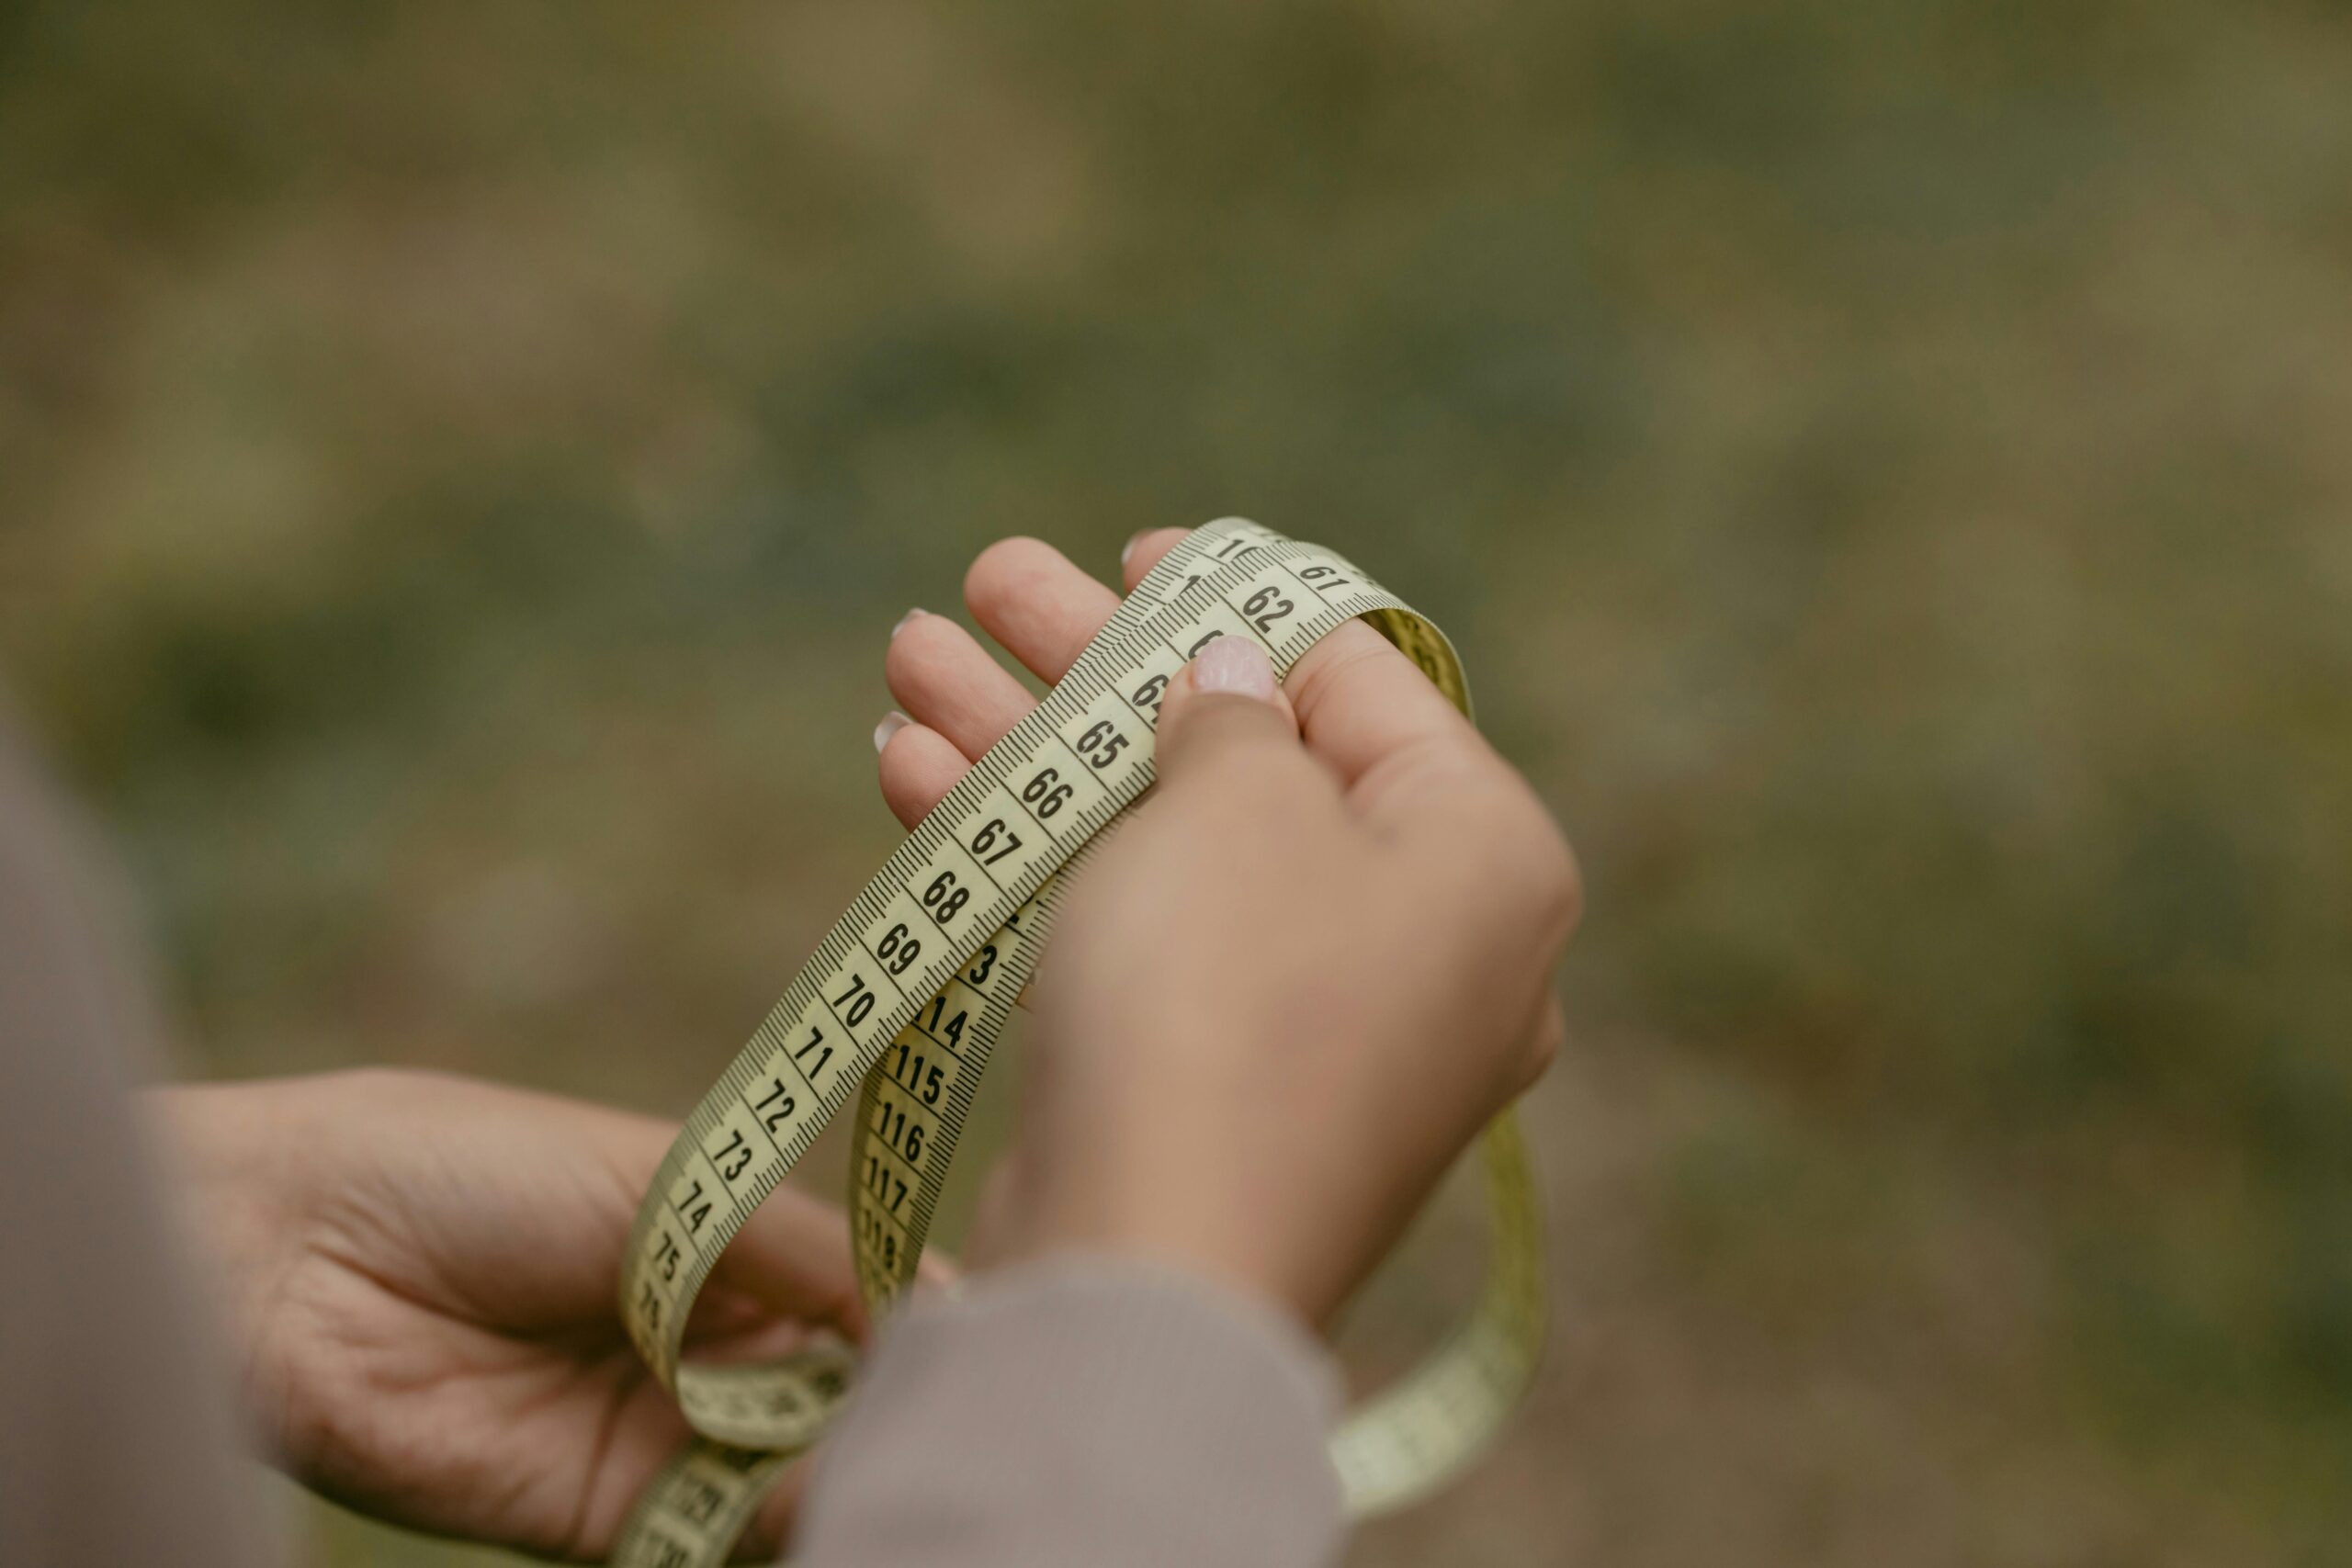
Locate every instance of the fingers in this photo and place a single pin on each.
(1030, 598)
(1418, 771)
(1044, 611)
(1411, 763)
(1361, 703)
(917, 767)
(1143, 553)
(959, 701)
(1365, 711)
(793, 1258)
(946, 680)
(1359, 700)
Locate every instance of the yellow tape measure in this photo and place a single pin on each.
(904, 999)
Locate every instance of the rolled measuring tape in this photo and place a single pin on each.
(902, 1003)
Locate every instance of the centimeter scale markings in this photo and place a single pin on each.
(902, 1003)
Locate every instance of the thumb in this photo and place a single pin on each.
(1223, 710)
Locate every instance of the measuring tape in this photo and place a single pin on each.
(902, 1003)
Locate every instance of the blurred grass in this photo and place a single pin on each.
(1884, 463)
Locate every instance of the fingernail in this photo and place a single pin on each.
(892, 722)
(904, 620)
(1234, 664)
(1129, 547)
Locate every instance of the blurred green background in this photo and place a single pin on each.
(1885, 464)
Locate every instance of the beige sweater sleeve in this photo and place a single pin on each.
(118, 1440)
(1082, 1411)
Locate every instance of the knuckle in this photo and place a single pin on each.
(1544, 874)
(1560, 881)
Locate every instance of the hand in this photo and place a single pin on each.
(1293, 989)
(420, 1274)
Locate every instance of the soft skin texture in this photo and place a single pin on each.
(419, 1275)
(1327, 962)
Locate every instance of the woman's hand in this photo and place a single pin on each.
(421, 1274)
(1291, 989)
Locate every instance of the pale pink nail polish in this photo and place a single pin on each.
(1234, 664)
(892, 722)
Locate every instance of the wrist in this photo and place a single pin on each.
(1178, 1223)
